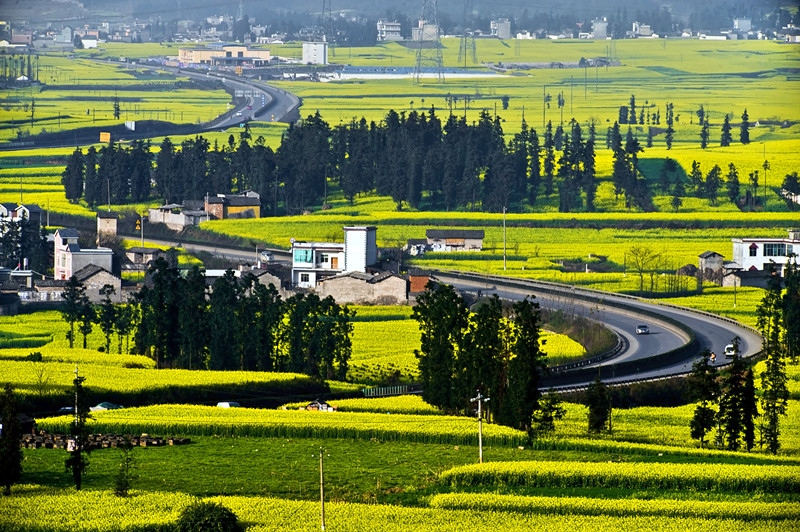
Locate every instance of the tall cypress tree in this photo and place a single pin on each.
(442, 317)
(775, 392)
(599, 403)
(93, 189)
(526, 366)
(78, 461)
(72, 176)
(726, 138)
(731, 403)
(704, 388)
(74, 298)
(10, 452)
(744, 130)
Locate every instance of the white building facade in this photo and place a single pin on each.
(763, 253)
(315, 53)
(69, 257)
(313, 262)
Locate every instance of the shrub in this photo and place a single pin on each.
(207, 517)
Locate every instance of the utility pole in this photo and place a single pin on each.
(321, 491)
(504, 238)
(480, 399)
(76, 396)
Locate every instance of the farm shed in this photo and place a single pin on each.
(455, 239)
(384, 288)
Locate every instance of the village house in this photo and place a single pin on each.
(314, 261)
(12, 212)
(175, 216)
(69, 257)
(224, 206)
(754, 260)
(94, 278)
(765, 253)
(455, 239)
(106, 226)
(359, 288)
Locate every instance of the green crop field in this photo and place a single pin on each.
(397, 463)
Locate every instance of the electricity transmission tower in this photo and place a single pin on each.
(467, 45)
(429, 50)
(328, 29)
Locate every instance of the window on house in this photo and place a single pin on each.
(753, 250)
(303, 255)
(303, 277)
(774, 250)
(324, 258)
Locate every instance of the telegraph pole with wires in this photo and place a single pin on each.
(321, 489)
(480, 399)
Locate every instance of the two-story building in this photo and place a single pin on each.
(764, 253)
(69, 257)
(314, 261)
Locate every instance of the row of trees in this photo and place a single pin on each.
(730, 401)
(734, 395)
(112, 318)
(412, 158)
(239, 324)
(491, 352)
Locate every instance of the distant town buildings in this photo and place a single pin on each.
(223, 54)
(600, 29)
(389, 31)
(315, 53)
(501, 28)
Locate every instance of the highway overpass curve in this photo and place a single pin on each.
(712, 332)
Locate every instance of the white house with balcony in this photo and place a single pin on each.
(313, 262)
(762, 253)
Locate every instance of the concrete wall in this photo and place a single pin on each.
(390, 291)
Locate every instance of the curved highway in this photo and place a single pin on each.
(645, 356)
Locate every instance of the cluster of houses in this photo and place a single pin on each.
(178, 216)
(354, 271)
(351, 271)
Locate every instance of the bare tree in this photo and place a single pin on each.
(643, 259)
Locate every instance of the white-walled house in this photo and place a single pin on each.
(361, 247)
(315, 261)
(760, 253)
(312, 261)
(69, 257)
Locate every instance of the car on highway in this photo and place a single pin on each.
(730, 350)
(238, 113)
(228, 404)
(642, 329)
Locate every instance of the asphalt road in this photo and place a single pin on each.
(712, 332)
